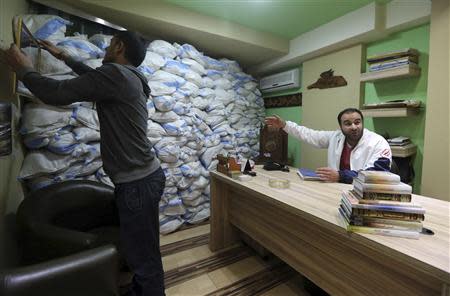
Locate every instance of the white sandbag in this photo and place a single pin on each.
(176, 67)
(43, 162)
(163, 117)
(181, 108)
(101, 176)
(195, 66)
(40, 182)
(189, 89)
(211, 63)
(164, 103)
(215, 120)
(175, 128)
(200, 183)
(173, 176)
(222, 83)
(93, 63)
(189, 194)
(33, 141)
(199, 217)
(199, 102)
(213, 165)
(207, 82)
(79, 169)
(212, 140)
(188, 51)
(210, 153)
(86, 134)
(163, 48)
(169, 224)
(150, 107)
(102, 41)
(194, 77)
(152, 63)
(79, 48)
(167, 152)
(87, 152)
(62, 143)
(37, 118)
(207, 93)
(214, 74)
(191, 169)
(232, 66)
(185, 183)
(87, 117)
(155, 129)
(174, 207)
(48, 64)
(47, 27)
(167, 78)
(193, 205)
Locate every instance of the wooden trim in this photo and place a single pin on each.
(283, 101)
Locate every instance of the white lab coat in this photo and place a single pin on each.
(369, 149)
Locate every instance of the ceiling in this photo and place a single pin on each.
(251, 32)
(284, 18)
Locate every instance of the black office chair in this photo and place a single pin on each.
(68, 217)
(89, 273)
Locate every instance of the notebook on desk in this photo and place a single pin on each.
(308, 175)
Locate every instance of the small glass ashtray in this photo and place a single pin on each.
(279, 183)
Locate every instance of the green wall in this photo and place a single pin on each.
(408, 88)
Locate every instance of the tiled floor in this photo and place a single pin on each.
(217, 276)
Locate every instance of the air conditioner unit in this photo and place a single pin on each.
(280, 81)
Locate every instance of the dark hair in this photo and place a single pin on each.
(135, 46)
(349, 110)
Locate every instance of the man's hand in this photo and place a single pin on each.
(53, 50)
(328, 174)
(275, 121)
(16, 59)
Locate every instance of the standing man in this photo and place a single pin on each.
(121, 94)
(350, 149)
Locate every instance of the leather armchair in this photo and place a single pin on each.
(68, 217)
(88, 273)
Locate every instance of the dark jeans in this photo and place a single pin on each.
(138, 205)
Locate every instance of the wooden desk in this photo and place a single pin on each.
(301, 226)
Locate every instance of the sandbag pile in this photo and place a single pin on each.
(199, 107)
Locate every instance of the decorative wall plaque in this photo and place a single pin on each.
(328, 80)
(283, 101)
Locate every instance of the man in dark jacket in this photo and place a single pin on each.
(120, 92)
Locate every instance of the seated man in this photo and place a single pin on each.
(350, 149)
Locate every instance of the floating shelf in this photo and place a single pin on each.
(399, 72)
(390, 112)
(404, 151)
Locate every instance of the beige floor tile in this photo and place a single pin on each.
(236, 271)
(200, 285)
(183, 234)
(186, 257)
(292, 287)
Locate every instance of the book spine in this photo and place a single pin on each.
(386, 223)
(382, 231)
(387, 215)
(389, 203)
(379, 207)
(379, 179)
(386, 196)
(390, 66)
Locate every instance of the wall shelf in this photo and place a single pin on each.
(390, 112)
(404, 151)
(395, 73)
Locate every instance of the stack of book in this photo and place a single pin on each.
(399, 141)
(380, 204)
(393, 59)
